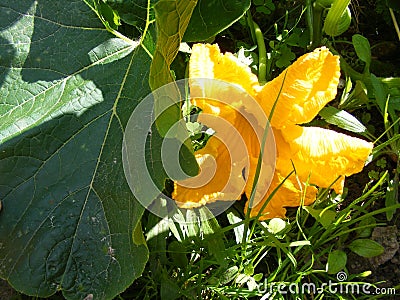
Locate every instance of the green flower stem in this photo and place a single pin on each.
(316, 27)
(396, 26)
(262, 50)
(309, 18)
(262, 54)
(251, 26)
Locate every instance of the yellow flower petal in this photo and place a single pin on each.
(241, 145)
(302, 90)
(289, 194)
(220, 177)
(322, 154)
(264, 180)
(207, 61)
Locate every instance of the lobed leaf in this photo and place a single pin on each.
(210, 17)
(323, 216)
(67, 88)
(133, 12)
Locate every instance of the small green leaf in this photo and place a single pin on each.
(210, 17)
(366, 248)
(110, 16)
(362, 47)
(257, 277)
(323, 216)
(249, 269)
(228, 275)
(379, 92)
(194, 127)
(381, 163)
(366, 232)
(342, 119)
(286, 57)
(270, 5)
(337, 260)
(137, 235)
(298, 37)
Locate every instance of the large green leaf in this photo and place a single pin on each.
(210, 17)
(67, 88)
(134, 12)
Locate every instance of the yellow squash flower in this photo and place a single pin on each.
(319, 156)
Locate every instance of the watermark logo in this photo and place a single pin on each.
(341, 276)
(223, 103)
(269, 289)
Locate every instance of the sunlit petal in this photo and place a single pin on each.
(290, 194)
(219, 178)
(208, 62)
(302, 90)
(322, 155)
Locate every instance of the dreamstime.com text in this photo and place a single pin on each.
(269, 289)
